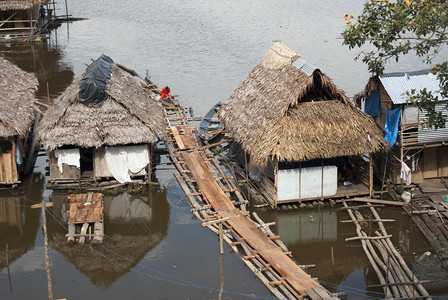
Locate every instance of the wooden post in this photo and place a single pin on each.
(384, 172)
(300, 181)
(48, 94)
(221, 291)
(66, 9)
(71, 232)
(98, 229)
(84, 228)
(247, 176)
(322, 183)
(401, 149)
(47, 258)
(221, 246)
(276, 183)
(370, 176)
(7, 266)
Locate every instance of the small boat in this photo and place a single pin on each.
(210, 126)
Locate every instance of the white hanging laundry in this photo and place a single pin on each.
(121, 160)
(69, 157)
(405, 173)
(138, 158)
(116, 158)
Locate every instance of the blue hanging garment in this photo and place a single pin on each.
(391, 126)
(372, 106)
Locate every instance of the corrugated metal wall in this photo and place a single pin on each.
(429, 135)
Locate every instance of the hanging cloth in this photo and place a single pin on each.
(121, 160)
(391, 126)
(372, 106)
(69, 157)
(405, 173)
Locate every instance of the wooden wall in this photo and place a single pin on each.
(8, 166)
(385, 103)
(69, 172)
(430, 162)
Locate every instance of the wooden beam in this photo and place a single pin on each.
(368, 200)
(368, 237)
(39, 205)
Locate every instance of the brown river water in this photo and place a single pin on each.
(154, 247)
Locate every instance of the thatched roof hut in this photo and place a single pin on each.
(288, 109)
(16, 4)
(17, 99)
(129, 115)
(20, 4)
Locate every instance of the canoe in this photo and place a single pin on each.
(210, 126)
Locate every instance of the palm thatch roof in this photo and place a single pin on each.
(17, 99)
(18, 4)
(288, 109)
(129, 115)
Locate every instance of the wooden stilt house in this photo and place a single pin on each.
(20, 18)
(302, 136)
(102, 129)
(423, 150)
(17, 114)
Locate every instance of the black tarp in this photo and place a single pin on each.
(93, 85)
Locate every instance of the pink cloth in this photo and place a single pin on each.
(405, 173)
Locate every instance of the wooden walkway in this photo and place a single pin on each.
(430, 213)
(396, 279)
(215, 196)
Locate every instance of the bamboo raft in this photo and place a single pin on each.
(86, 210)
(396, 279)
(216, 198)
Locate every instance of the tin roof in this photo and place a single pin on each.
(304, 66)
(399, 83)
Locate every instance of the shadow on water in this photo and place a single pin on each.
(133, 225)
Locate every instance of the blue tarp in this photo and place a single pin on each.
(373, 104)
(391, 126)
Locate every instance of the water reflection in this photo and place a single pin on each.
(133, 225)
(18, 222)
(46, 61)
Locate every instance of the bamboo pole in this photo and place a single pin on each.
(401, 148)
(7, 266)
(384, 172)
(276, 184)
(400, 259)
(322, 184)
(369, 256)
(370, 176)
(47, 258)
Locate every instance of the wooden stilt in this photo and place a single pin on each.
(71, 232)
(99, 232)
(84, 228)
(47, 258)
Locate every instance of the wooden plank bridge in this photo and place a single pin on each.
(215, 196)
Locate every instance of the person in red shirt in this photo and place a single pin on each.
(165, 92)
